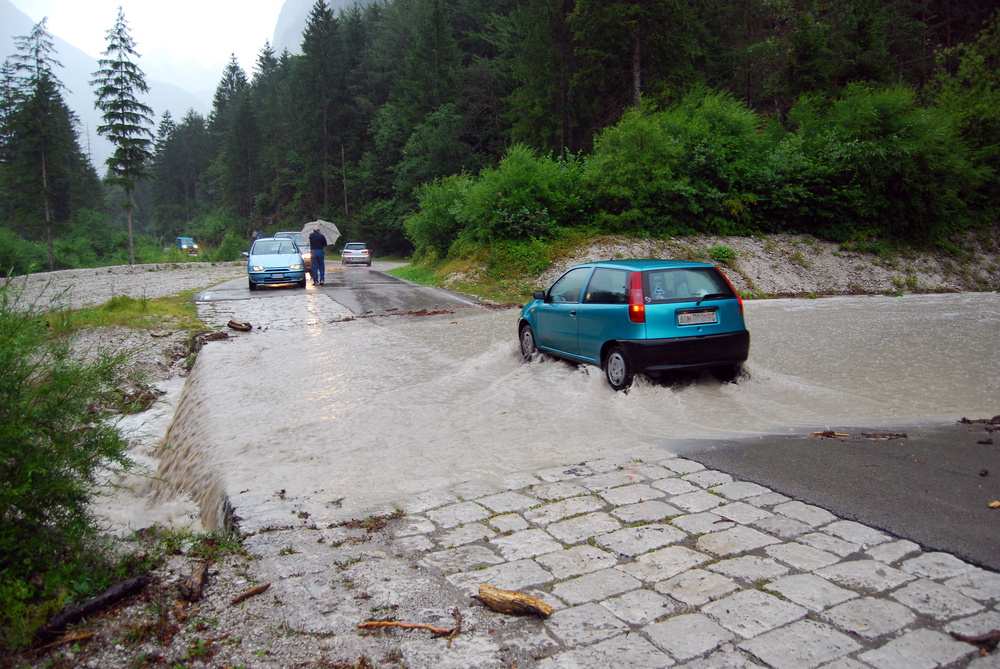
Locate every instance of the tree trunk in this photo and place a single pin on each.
(48, 219)
(636, 67)
(128, 218)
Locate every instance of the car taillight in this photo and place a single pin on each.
(636, 304)
(735, 292)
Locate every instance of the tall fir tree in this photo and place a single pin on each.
(127, 121)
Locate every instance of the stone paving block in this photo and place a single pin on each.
(627, 651)
(870, 618)
(813, 516)
(576, 561)
(640, 607)
(846, 663)
(418, 543)
(919, 649)
(752, 612)
(508, 576)
(991, 661)
(738, 490)
(596, 586)
(742, 512)
(550, 513)
(696, 587)
(687, 636)
(737, 540)
(473, 489)
(982, 623)
(682, 466)
(674, 486)
(935, 600)
(696, 502)
(707, 478)
(456, 514)
(802, 645)
(801, 557)
(936, 566)
(702, 523)
(768, 499)
(810, 591)
(782, 527)
(638, 540)
(867, 575)
(726, 657)
(750, 568)
(631, 494)
(552, 492)
(893, 551)
(575, 530)
(464, 558)
(584, 625)
(830, 544)
(648, 511)
(509, 522)
(507, 501)
(655, 472)
(466, 534)
(856, 533)
(411, 525)
(979, 584)
(663, 564)
(564, 473)
(429, 500)
(609, 480)
(605, 465)
(526, 544)
(518, 481)
(471, 652)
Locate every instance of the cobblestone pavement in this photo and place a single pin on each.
(647, 564)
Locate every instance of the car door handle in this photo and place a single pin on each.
(572, 312)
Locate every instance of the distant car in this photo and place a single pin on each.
(355, 253)
(638, 316)
(273, 261)
(186, 245)
(302, 242)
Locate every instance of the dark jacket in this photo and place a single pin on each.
(317, 242)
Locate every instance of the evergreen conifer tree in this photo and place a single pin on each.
(127, 121)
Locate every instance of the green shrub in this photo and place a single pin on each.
(435, 225)
(723, 254)
(54, 444)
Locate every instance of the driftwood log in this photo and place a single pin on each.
(250, 593)
(75, 614)
(240, 325)
(192, 586)
(512, 601)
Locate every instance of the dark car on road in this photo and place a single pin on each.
(639, 316)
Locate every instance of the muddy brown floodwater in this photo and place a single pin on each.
(351, 418)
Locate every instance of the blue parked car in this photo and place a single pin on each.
(273, 261)
(638, 316)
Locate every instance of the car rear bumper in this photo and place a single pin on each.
(650, 355)
(287, 277)
(355, 261)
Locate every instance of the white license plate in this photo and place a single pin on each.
(278, 276)
(697, 318)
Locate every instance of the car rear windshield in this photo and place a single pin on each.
(692, 283)
(272, 247)
(354, 247)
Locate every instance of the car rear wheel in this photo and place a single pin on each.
(727, 373)
(369, 263)
(617, 369)
(528, 347)
(252, 285)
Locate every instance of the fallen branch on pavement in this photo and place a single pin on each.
(250, 593)
(987, 642)
(512, 601)
(438, 632)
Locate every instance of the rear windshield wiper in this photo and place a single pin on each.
(711, 296)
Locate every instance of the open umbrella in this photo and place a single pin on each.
(328, 229)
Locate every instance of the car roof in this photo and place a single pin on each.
(184, 238)
(642, 265)
(356, 244)
(287, 232)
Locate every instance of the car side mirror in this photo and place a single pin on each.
(246, 255)
(539, 295)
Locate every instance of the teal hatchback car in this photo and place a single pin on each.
(639, 316)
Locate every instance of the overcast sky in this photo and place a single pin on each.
(206, 30)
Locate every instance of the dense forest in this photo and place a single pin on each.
(432, 125)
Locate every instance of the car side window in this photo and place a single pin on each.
(607, 286)
(569, 286)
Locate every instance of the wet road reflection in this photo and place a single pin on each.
(355, 417)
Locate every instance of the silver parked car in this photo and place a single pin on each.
(355, 253)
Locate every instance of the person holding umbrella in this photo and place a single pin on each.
(317, 243)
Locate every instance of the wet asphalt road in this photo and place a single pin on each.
(363, 290)
(929, 487)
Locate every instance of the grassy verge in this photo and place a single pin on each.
(176, 312)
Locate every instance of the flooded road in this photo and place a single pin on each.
(333, 418)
